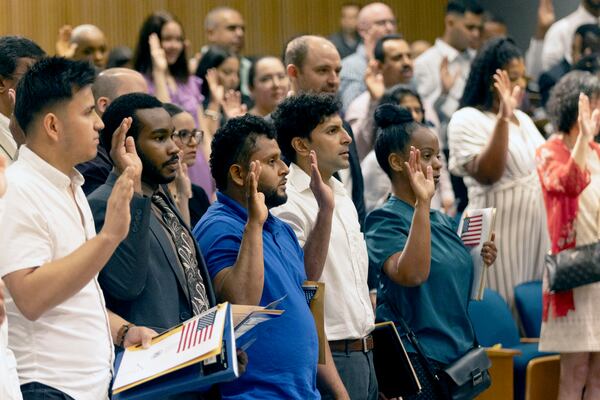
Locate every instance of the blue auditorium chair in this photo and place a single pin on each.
(528, 299)
(494, 324)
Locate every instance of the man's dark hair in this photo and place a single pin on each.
(460, 7)
(48, 82)
(378, 52)
(590, 38)
(234, 143)
(12, 48)
(123, 107)
(490, 17)
(298, 116)
(142, 59)
(495, 54)
(563, 104)
(173, 109)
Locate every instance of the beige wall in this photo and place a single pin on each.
(269, 22)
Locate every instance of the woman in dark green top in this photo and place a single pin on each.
(425, 270)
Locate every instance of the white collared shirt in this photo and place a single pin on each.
(348, 310)
(429, 82)
(559, 38)
(8, 146)
(69, 347)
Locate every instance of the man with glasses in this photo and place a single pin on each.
(375, 20)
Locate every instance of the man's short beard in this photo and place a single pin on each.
(274, 199)
(150, 173)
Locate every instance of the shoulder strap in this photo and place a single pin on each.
(415, 342)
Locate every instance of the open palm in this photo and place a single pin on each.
(423, 185)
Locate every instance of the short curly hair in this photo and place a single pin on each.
(234, 143)
(298, 116)
(495, 54)
(563, 105)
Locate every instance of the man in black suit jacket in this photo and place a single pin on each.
(157, 276)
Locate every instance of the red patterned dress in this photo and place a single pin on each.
(571, 321)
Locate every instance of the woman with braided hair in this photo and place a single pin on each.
(492, 144)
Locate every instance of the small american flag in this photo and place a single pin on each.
(196, 332)
(471, 230)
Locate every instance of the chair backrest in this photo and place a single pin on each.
(528, 299)
(493, 321)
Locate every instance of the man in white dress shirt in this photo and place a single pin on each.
(16, 56)
(60, 331)
(9, 380)
(441, 72)
(311, 123)
(559, 38)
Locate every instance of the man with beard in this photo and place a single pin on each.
(157, 276)
(309, 126)
(254, 258)
(313, 65)
(392, 65)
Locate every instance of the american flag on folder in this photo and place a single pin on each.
(197, 331)
(471, 230)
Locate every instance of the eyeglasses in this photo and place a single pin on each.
(185, 136)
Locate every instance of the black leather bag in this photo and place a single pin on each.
(575, 267)
(465, 378)
(468, 376)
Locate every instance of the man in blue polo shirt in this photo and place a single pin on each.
(254, 258)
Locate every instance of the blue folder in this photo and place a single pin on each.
(195, 378)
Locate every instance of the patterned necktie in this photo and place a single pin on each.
(184, 246)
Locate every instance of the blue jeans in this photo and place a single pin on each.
(39, 391)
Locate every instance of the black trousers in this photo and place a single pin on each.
(39, 391)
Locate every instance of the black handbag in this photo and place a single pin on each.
(574, 267)
(465, 378)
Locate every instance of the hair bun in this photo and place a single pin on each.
(391, 114)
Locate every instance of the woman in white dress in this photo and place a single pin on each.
(569, 170)
(492, 144)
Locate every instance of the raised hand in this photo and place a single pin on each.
(124, 155)
(448, 79)
(322, 191)
(589, 122)
(232, 104)
(116, 223)
(423, 185)
(509, 98)
(255, 200)
(182, 180)
(64, 47)
(374, 80)
(217, 91)
(159, 60)
(545, 14)
(489, 251)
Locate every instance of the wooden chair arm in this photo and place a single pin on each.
(530, 340)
